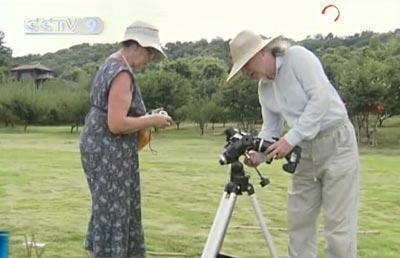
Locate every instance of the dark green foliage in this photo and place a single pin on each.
(240, 98)
(367, 77)
(22, 103)
(218, 48)
(76, 56)
(363, 67)
(5, 59)
(5, 52)
(165, 89)
(201, 112)
(54, 103)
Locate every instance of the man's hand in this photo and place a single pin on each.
(279, 149)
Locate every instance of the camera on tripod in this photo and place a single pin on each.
(238, 142)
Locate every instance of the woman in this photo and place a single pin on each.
(293, 87)
(109, 146)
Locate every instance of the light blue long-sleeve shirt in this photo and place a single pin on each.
(302, 95)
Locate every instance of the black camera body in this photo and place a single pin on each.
(239, 142)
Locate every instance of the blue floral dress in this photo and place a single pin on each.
(111, 165)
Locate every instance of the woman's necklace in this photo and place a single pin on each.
(126, 62)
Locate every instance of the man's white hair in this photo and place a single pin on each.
(278, 46)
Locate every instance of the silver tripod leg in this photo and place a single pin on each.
(220, 225)
(263, 225)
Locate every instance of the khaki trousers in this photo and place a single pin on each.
(327, 177)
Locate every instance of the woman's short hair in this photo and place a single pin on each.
(129, 43)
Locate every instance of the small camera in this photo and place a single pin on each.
(160, 111)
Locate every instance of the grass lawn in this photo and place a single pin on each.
(43, 191)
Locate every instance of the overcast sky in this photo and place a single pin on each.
(189, 20)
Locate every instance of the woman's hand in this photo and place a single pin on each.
(161, 120)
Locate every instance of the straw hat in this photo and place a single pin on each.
(243, 47)
(146, 35)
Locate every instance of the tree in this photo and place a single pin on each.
(367, 78)
(361, 83)
(5, 59)
(3, 74)
(77, 105)
(65, 104)
(207, 75)
(391, 100)
(180, 66)
(201, 112)
(240, 96)
(28, 104)
(180, 115)
(6, 114)
(74, 74)
(165, 89)
(5, 52)
(222, 114)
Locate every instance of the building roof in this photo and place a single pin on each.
(36, 66)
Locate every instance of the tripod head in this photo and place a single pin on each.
(239, 142)
(239, 181)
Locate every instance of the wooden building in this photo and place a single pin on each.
(36, 72)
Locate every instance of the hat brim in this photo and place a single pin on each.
(160, 53)
(147, 42)
(238, 65)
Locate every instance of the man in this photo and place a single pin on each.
(293, 87)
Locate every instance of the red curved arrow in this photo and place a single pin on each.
(329, 6)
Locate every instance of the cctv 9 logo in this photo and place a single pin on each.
(64, 25)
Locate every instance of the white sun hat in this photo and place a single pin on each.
(243, 47)
(146, 35)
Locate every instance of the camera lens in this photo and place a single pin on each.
(222, 160)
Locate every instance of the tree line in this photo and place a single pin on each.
(54, 103)
(191, 85)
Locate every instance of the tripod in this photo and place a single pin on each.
(239, 182)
